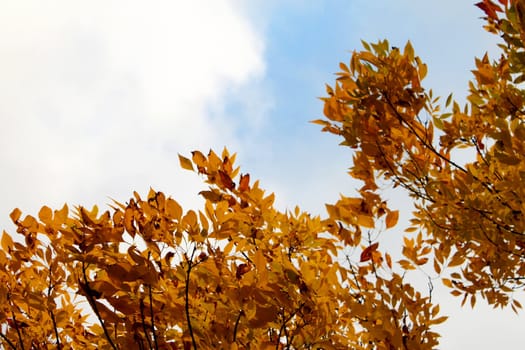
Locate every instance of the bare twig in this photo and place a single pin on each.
(237, 324)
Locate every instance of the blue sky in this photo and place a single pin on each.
(98, 99)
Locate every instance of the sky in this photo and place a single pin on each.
(97, 98)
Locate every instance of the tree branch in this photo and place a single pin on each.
(187, 296)
(152, 318)
(91, 300)
(237, 324)
(143, 319)
(51, 314)
(8, 341)
(17, 328)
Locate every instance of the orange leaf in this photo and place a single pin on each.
(45, 214)
(391, 218)
(365, 221)
(15, 215)
(7, 242)
(244, 183)
(388, 260)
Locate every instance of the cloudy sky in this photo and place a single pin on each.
(97, 98)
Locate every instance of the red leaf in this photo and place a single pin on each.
(489, 8)
(367, 253)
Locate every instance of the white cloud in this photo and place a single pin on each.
(98, 97)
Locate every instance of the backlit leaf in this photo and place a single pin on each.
(366, 254)
(391, 218)
(185, 163)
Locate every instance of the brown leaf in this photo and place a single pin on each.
(367, 252)
(244, 183)
(226, 180)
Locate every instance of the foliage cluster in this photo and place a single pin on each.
(240, 274)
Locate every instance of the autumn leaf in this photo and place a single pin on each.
(185, 163)
(240, 273)
(226, 180)
(6, 242)
(366, 254)
(391, 218)
(15, 215)
(490, 8)
(244, 183)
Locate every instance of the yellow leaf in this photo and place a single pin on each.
(422, 261)
(406, 265)
(7, 242)
(365, 221)
(185, 163)
(61, 215)
(456, 260)
(437, 267)
(198, 158)
(45, 214)
(190, 219)
(228, 248)
(439, 320)
(391, 218)
(174, 209)
(260, 264)
(388, 260)
(447, 282)
(15, 215)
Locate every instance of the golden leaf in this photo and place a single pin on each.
(185, 163)
(15, 215)
(7, 242)
(391, 218)
(45, 214)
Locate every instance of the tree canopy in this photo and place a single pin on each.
(241, 274)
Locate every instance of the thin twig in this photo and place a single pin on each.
(51, 314)
(187, 296)
(152, 319)
(236, 325)
(143, 318)
(91, 300)
(430, 147)
(8, 341)
(17, 330)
